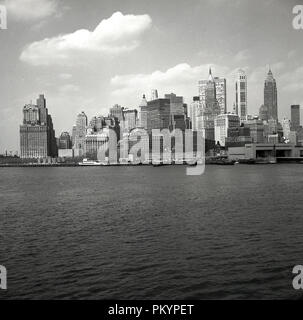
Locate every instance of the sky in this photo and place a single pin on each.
(89, 55)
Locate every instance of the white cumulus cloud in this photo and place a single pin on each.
(29, 10)
(117, 34)
(181, 79)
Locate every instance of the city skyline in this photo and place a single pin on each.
(104, 81)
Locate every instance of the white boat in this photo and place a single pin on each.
(87, 162)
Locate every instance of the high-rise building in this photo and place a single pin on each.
(224, 122)
(177, 112)
(37, 135)
(130, 119)
(263, 113)
(176, 104)
(216, 88)
(154, 94)
(195, 109)
(256, 127)
(210, 106)
(270, 96)
(286, 125)
(241, 95)
(74, 130)
(81, 126)
(96, 139)
(295, 117)
(158, 114)
(117, 112)
(65, 141)
(143, 113)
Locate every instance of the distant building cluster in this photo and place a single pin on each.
(206, 114)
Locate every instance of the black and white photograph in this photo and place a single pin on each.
(151, 151)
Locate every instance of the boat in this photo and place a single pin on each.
(91, 163)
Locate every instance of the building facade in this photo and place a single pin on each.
(223, 123)
(295, 117)
(271, 96)
(241, 95)
(37, 135)
(219, 85)
(80, 133)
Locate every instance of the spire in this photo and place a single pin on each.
(270, 76)
(144, 101)
(210, 77)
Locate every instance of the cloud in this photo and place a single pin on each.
(117, 34)
(69, 88)
(65, 76)
(29, 10)
(181, 79)
(242, 56)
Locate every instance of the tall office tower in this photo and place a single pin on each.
(263, 113)
(256, 130)
(158, 114)
(210, 106)
(195, 108)
(295, 117)
(37, 135)
(52, 141)
(65, 141)
(74, 135)
(177, 112)
(224, 122)
(286, 125)
(154, 94)
(241, 95)
(81, 126)
(143, 113)
(117, 112)
(41, 104)
(270, 96)
(220, 91)
(176, 104)
(130, 119)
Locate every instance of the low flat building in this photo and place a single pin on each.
(266, 150)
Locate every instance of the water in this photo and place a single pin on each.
(151, 233)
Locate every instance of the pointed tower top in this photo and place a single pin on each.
(270, 76)
(210, 77)
(143, 102)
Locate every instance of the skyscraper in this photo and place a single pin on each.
(241, 95)
(143, 113)
(130, 119)
(158, 114)
(117, 112)
(65, 141)
(223, 123)
(194, 110)
(154, 94)
(80, 133)
(220, 91)
(177, 111)
(263, 113)
(37, 135)
(210, 106)
(270, 96)
(295, 117)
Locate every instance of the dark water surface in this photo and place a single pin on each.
(151, 233)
